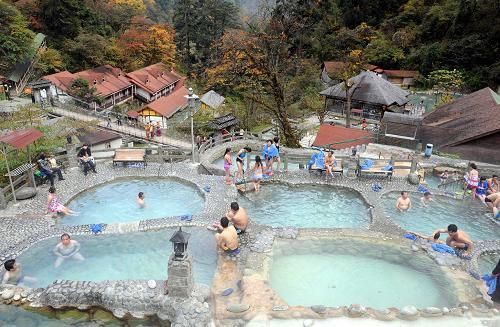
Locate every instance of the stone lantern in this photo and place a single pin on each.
(180, 267)
(180, 242)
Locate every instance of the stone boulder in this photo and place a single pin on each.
(413, 179)
(26, 193)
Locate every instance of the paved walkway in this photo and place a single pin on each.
(123, 129)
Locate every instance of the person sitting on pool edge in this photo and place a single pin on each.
(456, 239)
(426, 198)
(140, 200)
(67, 249)
(227, 240)
(239, 217)
(403, 203)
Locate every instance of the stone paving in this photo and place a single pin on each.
(25, 224)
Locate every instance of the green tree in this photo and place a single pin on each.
(50, 62)
(88, 51)
(15, 37)
(384, 53)
(447, 80)
(63, 18)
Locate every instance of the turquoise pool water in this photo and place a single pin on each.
(141, 255)
(291, 165)
(116, 201)
(344, 271)
(488, 262)
(309, 206)
(469, 215)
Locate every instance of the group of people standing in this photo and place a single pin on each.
(152, 130)
(263, 166)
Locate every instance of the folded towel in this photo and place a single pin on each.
(376, 187)
(410, 236)
(206, 189)
(187, 217)
(364, 167)
(491, 282)
(369, 163)
(387, 168)
(443, 248)
(96, 228)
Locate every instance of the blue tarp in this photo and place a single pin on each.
(491, 282)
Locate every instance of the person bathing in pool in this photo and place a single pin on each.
(140, 200)
(456, 239)
(403, 203)
(227, 240)
(239, 217)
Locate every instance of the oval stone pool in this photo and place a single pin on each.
(116, 201)
(469, 215)
(140, 255)
(344, 271)
(307, 206)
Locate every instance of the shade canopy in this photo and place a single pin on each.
(21, 138)
(368, 87)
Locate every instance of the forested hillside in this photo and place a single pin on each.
(424, 35)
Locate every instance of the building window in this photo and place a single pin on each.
(107, 145)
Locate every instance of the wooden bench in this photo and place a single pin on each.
(376, 169)
(130, 156)
(401, 168)
(337, 169)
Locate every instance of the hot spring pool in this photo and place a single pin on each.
(468, 215)
(488, 262)
(344, 271)
(291, 165)
(141, 255)
(308, 206)
(116, 201)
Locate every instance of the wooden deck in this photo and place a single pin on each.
(130, 156)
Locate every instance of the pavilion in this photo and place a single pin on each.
(371, 95)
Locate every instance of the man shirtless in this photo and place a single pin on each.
(239, 217)
(227, 240)
(493, 185)
(403, 203)
(457, 239)
(427, 198)
(67, 249)
(493, 202)
(14, 274)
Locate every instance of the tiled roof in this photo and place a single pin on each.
(168, 105)
(98, 137)
(333, 67)
(339, 137)
(154, 78)
(223, 122)
(212, 99)
(401, 73)
(370, 88)
(21, 137)
(107, 79)
(470, 117)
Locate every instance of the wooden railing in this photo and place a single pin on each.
(213, 142)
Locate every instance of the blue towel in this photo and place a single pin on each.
(320, 160)
(96, 228)
(443, 248)
(387, 168)
(422, 188)
(368, 163)
(187, 217)
(206, 189)
(227, 292)
(410, 236)
(491, 282)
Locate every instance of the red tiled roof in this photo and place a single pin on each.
(154, 78)
(333, 67)
(465, 119)
(133, 114)
(21, 137)
(170, 104)
(98, 137)
(108, 79)
(401, 73)
(339, 137)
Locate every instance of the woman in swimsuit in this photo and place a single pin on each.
(54, 206)
(239, 161)
(472, 179)
(227, 165)
(257, 173)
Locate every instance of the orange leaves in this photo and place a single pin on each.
(147, 45)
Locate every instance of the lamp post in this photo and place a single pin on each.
(192, 98)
